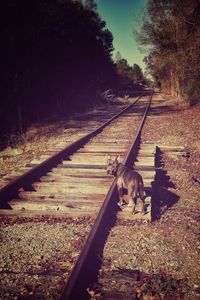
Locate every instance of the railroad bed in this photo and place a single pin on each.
(129, 243)
(50, 220)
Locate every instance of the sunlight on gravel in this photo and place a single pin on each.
(39, 266)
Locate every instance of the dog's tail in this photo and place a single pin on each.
(141, 189)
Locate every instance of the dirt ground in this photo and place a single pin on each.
(178, 224)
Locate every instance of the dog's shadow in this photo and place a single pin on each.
(162, 197)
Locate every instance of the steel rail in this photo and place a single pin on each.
(75, 287)
(11, 190)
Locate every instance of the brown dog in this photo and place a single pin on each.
(127, 179)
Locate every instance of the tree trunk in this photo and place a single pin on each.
(178, 91)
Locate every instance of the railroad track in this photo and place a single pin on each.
(73, 183)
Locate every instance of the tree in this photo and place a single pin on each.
(123, 67)
(127, 73)
(90, 4)
(136, 73)
(118, 57)
(172, 30)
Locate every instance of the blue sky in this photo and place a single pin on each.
(121, 17)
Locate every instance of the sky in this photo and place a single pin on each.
(121, 17)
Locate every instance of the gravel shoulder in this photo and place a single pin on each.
(38, 267)
(179, 225)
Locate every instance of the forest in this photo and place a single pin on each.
(55, 59)
(53, 55)
(170, 31)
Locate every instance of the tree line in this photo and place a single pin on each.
(171, 31)
(55, 57)
(126, 73)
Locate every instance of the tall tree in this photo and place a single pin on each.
(136, 73)
(127, 73)
(171, 29)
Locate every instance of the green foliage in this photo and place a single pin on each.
(127, 73)
(136, 73)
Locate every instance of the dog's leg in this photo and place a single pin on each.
(142, 196)
(120, 192)
(134, 206)
(132, 199)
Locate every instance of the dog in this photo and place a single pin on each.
(127, 179)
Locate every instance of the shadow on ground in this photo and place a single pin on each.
(135, 285)
(162, 197)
